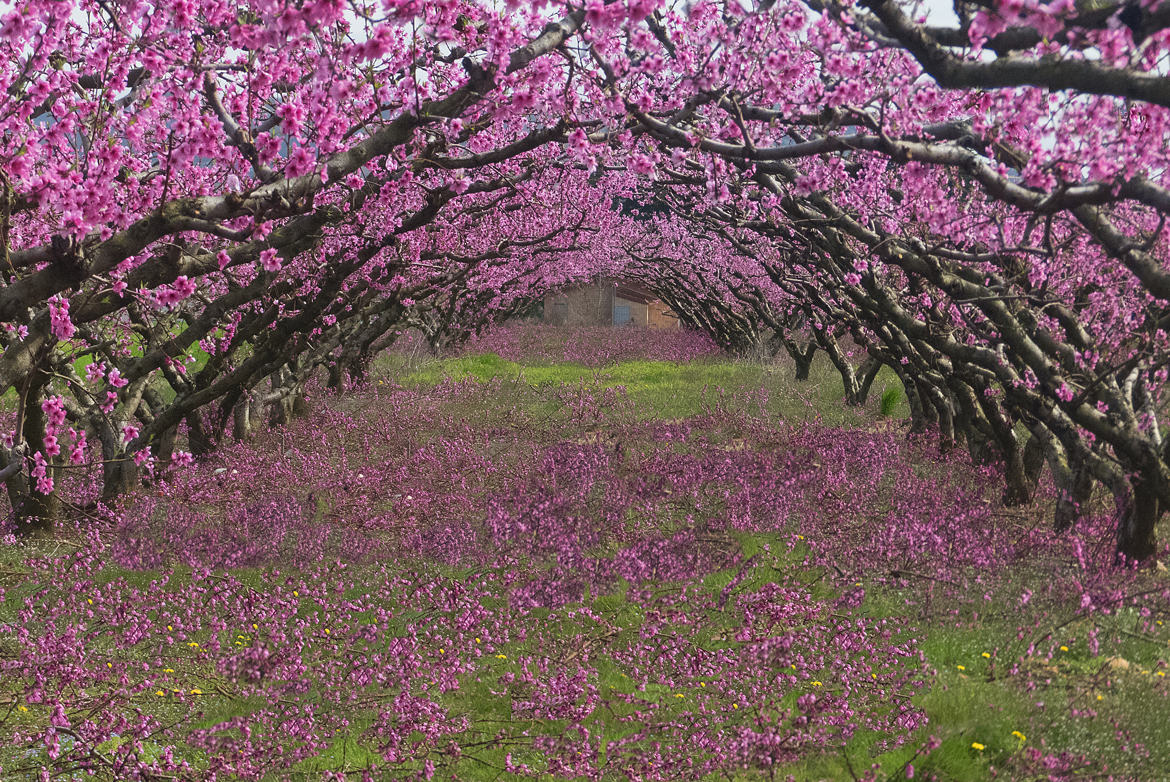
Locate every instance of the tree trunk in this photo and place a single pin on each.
(866, 374)
(1135, 529)
(198, 438)
(918, 419)
(32, 510)
(802, 358)
(242, 420)
(944, 417)
(335, 375)
(163, 446)
(803, 366)
(1075, 489)
(119, 476)
(1019, 489)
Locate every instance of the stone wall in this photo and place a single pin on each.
(596, 305)
(589, 305)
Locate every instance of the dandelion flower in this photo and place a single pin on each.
(1019, 736)
(1064, 648)
(975, 745)
(986, 656)
(961, 667)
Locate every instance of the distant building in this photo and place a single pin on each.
(607, 303)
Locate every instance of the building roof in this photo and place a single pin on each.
(632, 291)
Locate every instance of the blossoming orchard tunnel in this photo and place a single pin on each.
(298, 489)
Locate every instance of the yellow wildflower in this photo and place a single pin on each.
(679, 695)
(961, 667)
(193, 645)
(816, 683)
(196, 691)
(159, 692)
(975, 745)
(90, 601)
(168, 670)
(1064, 648)
(986, 656)
(22, 707)
(735, 705)
(1019, 736)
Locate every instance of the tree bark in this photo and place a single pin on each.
(32, 510)
(1136, 521)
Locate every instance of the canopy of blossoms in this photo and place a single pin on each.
(203, 205)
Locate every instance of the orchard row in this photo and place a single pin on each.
(204, 204)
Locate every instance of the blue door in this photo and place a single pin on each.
(621, 314)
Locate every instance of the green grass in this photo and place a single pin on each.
(888, 403)
(669, 390)
(973, 699)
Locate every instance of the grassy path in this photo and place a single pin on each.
(480, 569)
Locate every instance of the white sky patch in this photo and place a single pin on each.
(940, 12)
